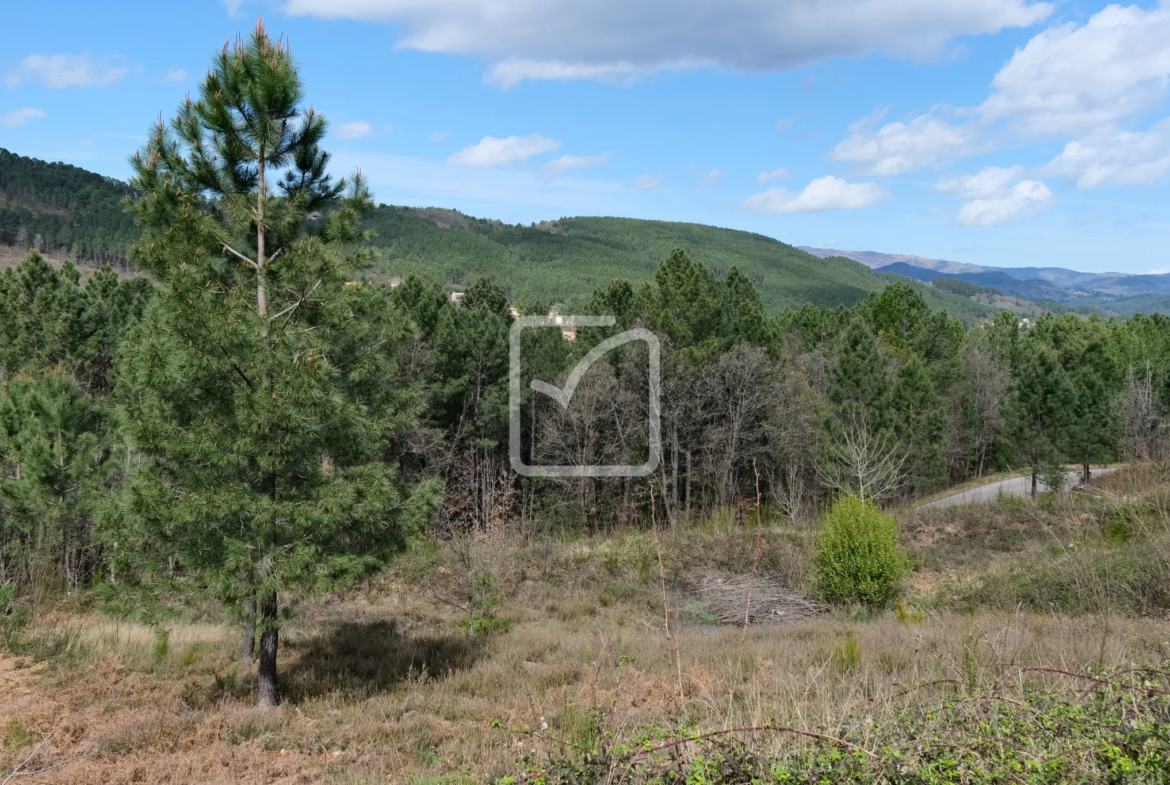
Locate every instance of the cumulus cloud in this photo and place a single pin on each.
(984, 184)
(616, 40)
(897, 148)
(775, 174)
(64, 71)
(1069, 79)
(1110, 157)
(20, 116)
(175, 75)
(647, 182)
(355, 130)
(558, 166)
(491, 151)
(824, 193)
(710, 178)
(1028, 197)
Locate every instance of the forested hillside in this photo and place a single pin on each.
(561, 260)
(63, 209)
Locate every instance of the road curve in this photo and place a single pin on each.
(1015, 486)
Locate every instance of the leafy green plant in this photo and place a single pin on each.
(1019, 731)
(858, 558)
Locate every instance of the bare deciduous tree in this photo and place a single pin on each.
(736, 394)
(1147, 438)
(860, 460)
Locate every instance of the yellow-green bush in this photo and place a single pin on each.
(858, 558)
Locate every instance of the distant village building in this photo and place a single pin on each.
(568, 333)
(1025, 324)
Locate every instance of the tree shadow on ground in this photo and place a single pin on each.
(361, 660)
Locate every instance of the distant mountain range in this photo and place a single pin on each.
(1056, 284)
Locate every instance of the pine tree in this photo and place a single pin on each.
(261, 389)
(47, 317)
(55, 454)
(744, 320)
(1042, 408)
(687, 307)
(919, 421)
(860, 377)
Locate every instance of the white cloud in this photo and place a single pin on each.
(20, 116)
(64, 71)
(558, 166)
(491, 151)
(1159, 271)
(175, 75)
(785, 123)
(233, 7)
(513, 71)
(1029, 197)
(986, 183)
(1069, 79)
(438, 136)
(1110, 157)
(616, 40)
(899, 147)
(647, 182)
(710, 178)
(775, 174)
(355, 130)
(824, 193)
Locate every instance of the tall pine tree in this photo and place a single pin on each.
(1042, 408)
(260, 392)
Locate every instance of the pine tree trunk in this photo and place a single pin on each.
(269, 640)
(248, 650)
(1088, 474)
(1034, 479)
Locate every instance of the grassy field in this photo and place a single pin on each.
(1012, 650)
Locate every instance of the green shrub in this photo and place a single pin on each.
(858, 558)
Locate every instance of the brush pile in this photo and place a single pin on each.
(740, 599)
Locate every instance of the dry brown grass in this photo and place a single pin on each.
(386, 690)
(381, 685)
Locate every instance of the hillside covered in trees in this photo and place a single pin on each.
(565, 260)
(63, 209)
(66, 211)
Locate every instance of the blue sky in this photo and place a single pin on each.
(996, 132)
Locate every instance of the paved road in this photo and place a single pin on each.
(1016, 486)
